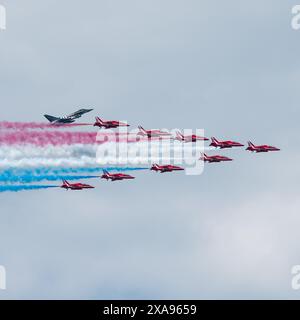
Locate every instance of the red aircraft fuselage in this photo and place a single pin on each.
(116, 176)
(75, 186)
(261, 148)
(190, 138)
(224, 144)
(110, 124)
(215, 158)
(165, 168)
(152, 133)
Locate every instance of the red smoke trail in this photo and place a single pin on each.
(47, 138)
(7, 125)
(56, 138)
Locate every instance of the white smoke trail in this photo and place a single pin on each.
(13, 153)
(84, 155)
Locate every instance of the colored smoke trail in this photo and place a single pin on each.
(89, 170)
(61, 171)
(17, 152)
(57, 138)
(8, 125)
(51, 174)
(83, 152)
(38, 162)
(9, 188)
(47, 138)
(27, 178)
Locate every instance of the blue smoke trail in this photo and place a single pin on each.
(52, 174)
(21, 188)
(29, 179)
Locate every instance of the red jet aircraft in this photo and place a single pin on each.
(115, 176)
(262, 148)
(224, 144)
(152, 133)
(215, 158)
(192, 138)
(109, 124)
(75, 186)
(165, 168)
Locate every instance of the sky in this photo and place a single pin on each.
(228, 67)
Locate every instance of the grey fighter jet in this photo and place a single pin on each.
(67, 119)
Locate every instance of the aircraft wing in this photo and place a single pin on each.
(55, 120)
(79, 113)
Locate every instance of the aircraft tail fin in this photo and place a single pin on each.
(250, 144)
(179, 134)
(142, 129)
(105, 172)
(213, 139)
(99, 120)
(50, 118)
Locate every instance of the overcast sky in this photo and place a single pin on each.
(229, 67)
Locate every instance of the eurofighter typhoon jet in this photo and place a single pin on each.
(67, 119)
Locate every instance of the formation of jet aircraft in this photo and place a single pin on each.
(154, 133)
